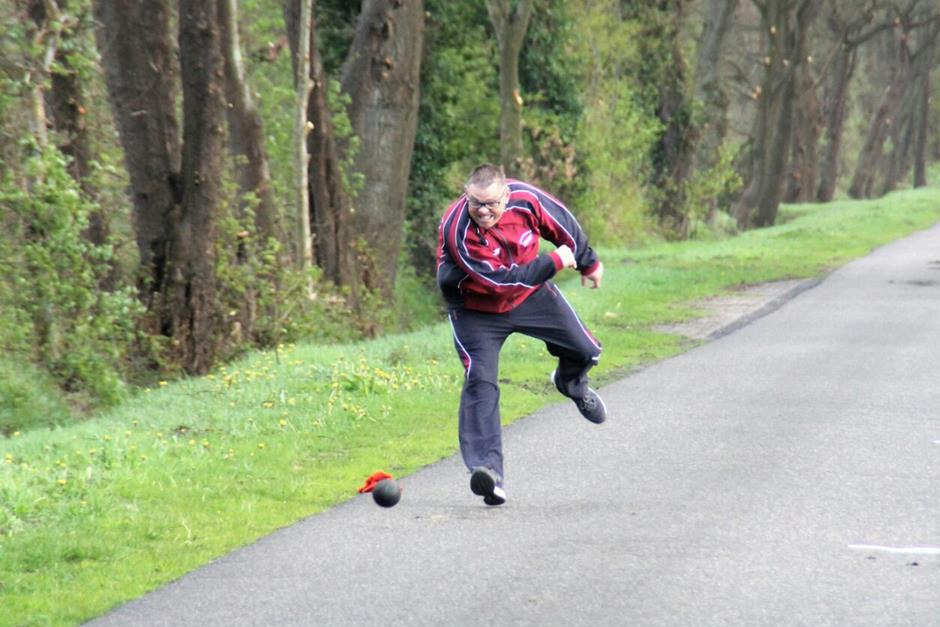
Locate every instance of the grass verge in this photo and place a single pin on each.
(100, 512)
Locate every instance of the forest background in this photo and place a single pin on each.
(182, 182)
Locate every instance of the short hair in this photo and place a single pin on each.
(485, 175)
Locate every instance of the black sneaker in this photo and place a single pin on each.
(591, 406)
(483, 482)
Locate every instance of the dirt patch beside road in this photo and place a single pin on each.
(737, 308)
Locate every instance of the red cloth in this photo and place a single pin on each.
(372, 480)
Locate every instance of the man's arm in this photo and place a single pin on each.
(559, 226)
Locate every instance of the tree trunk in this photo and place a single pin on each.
(897, 164)
(190, 301)
(807, 124)
(299, 17)
(884, 117)
(330, 207)
(140, 69)
(331, 202)
(835, 100)
(925, 60)
(510, 23)
(709, 87)
(246, 132)
(922, 130)
(672, 154)
(924, 22)
(382, 77)
(784, 23)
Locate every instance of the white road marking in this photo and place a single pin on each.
(899, 550)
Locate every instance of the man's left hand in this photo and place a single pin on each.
(595, 277)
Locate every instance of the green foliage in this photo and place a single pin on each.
(458, 118)
(616, 131)
(29, 399)
(547, 71)
(548, 75)
(80, 333)
(709, 189)
(336, 27)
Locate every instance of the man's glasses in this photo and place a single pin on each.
(476, 203)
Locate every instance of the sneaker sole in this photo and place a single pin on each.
(603, 404)
(498, 497)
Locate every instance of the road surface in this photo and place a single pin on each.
(787, 473)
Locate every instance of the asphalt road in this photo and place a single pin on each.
(784, 474)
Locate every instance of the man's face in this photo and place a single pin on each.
(486, 204)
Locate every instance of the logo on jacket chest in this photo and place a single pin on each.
(526, 238)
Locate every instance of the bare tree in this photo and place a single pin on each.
(331, 200)
(807, 128)
(673, 152)
(784, 24)
(709, 87)
(330, 207)
(908, 133)
(850, 27)
(904, 65)
(359, 238)
(921, 123)
(246, 131)
(299, 17)
(190, 302)
(175, 182)
(382, 77)
(510, 19)
(141, 72)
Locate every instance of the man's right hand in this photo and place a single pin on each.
(566, 256)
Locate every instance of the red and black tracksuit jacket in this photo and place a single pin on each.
(494, 270)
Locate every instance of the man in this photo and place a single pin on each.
(496, 283)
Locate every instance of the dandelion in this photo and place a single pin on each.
(17, 434)
(163, 383)
(192, 442)
(261, 445)
(282, 422)
(61, 482)
(8, 458)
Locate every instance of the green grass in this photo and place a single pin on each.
(28, 397)
(96, 513)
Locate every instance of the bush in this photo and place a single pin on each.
(28, 398)
(56, 311)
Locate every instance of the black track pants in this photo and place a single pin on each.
(479, 336)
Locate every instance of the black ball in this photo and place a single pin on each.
(387, 493)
